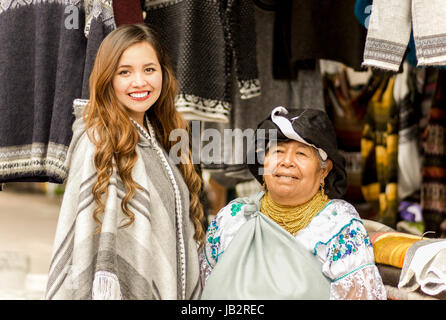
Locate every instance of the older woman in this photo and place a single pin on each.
(295, 239)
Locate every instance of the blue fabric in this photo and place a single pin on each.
(363, 10)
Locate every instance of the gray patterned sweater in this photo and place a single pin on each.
(211, 43)
(46, 55)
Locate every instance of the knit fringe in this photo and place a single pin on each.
(106, 286)
(380, 65)
(439, 60)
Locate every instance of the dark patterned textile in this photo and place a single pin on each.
(208, 42)
(306, 30)
(433, 188)
(46, 55)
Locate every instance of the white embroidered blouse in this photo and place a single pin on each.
(336, 235)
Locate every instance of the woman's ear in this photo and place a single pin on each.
(327, 169)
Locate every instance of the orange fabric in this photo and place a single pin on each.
(390, 247)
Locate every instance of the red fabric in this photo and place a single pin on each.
(127, 12)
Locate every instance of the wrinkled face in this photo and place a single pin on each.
(138, 79)
(292, 172)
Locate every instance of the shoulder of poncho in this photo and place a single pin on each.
(80, 151)
(81, 143)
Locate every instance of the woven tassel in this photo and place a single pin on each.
(106, 286)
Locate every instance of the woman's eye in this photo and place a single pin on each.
(149, 70)
(300, 153)
(123, 72)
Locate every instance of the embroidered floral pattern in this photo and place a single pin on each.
(235, 208)
(347, 242)
(214, 241)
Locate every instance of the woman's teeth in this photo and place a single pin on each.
(287, 177)
(139, 95)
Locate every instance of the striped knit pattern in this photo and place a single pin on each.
(382, 53)
(389, 32)
(178, 207)
(154, 258)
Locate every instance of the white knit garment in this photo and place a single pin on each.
(389, 31)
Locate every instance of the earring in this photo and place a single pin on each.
(264, 188)
(322, 187)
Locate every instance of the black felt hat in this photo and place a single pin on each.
(309, 126)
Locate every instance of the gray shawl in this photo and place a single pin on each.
(154, 258)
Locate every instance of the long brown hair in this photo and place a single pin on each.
(115, 136)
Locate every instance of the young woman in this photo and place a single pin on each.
(130, 219)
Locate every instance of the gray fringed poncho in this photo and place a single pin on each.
(154, 258)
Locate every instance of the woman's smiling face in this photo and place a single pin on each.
(292, 172)
(138, 79)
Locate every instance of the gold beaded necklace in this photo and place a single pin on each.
(293, 218)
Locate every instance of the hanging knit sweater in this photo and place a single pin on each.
(46, 56)
(207, 41)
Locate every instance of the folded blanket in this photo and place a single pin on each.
(390, 247)
(425, 267)
(394, 293)
(389, 274)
